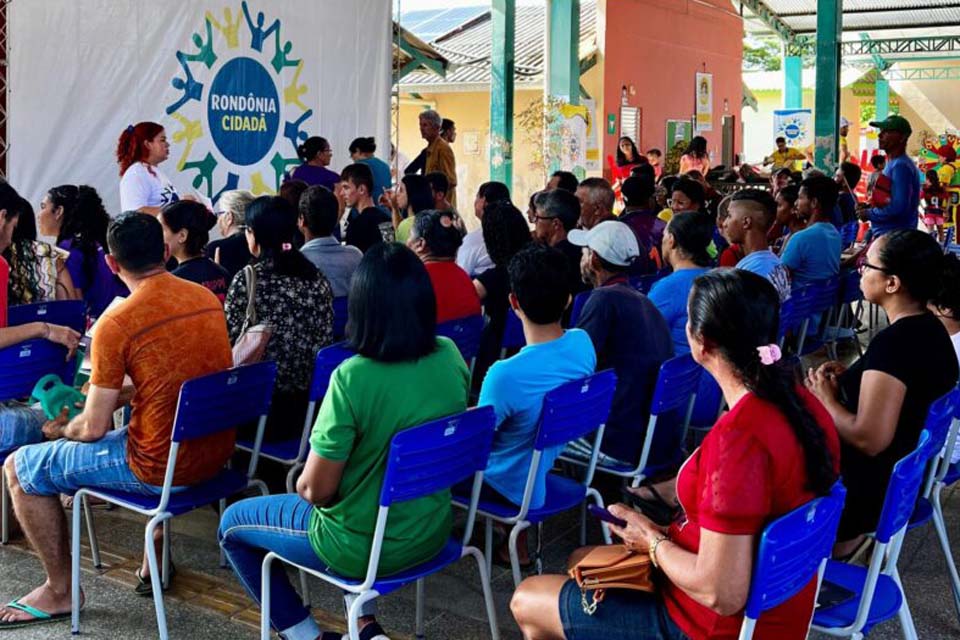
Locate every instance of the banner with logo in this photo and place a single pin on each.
(704, 113)
(236, 84)
(796, 125)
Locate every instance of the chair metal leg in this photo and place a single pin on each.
(906, 620)
(165, 562)
(265, 595)
(4, 510)
(304, 588)
(75, 570)
(223, 554)
(941, 527)
(292, 475)
(91, 529)
(353, 614)
(488, 544)
(539, 551)
(487, 591)
(419, 630)
(514, 555)
(155, 575)
(604, 527)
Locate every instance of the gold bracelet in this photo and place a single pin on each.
(653, 550)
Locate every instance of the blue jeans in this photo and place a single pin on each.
(622, 615)
(19, 425)
(253, 527)
(64, 466)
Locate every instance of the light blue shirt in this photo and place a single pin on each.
(813, 254)
(515, 389)
(765, 263)
(670, 294)
(334, 260)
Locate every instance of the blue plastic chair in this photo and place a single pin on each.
(339, 318)
(21, 365)
(465, 333)
(513, 337)
(793, 549)
(293, 453)
(793, 313)
(67, 313)
(944, 425)
(644, 283)
(578, 302)
(207, 405)
(708, 405)
(880, 593)
(674, 398)
(571, 411)
(814, 300)
(421, 461)
(848, 292)
(848, 234)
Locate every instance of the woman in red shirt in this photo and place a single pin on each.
(435, 239)
(774, 450)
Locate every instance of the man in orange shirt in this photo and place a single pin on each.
(166, 332)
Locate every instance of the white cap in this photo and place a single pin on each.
(844, 122)
(612, 240)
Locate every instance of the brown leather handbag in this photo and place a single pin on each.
(611, 567)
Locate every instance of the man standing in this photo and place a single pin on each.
(439, 154)
(844, 148)
(166, 332)
(901, 211)
(448, 130)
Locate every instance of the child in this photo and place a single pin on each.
(934, 198)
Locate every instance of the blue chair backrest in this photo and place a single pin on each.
(575, 409)
(791, 549)
(823, 294)
(850, 286)
(940, 417)
(328, 359)
(848, 233)
(706, 407)
(339, 317)
(465, 333)
(948, 236)
(224, 400)
(954, 249)
(643, 283)
(904, 486)
(437, 455)
(578, 301)
(794, 311)
(21, 365)
(678, 380)
(66, 313)
(513, 337)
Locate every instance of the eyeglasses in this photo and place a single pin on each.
(537, 218)
(866, 265)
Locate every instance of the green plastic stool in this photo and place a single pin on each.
(53, 396)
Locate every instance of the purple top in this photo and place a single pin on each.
(314, 175)
(99, 291)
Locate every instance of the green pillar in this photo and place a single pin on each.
(829, 26)
(792, 82)
(882, 89)
(503, 16)
(563, 49)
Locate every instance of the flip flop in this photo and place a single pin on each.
(39, 617)
(144, 586)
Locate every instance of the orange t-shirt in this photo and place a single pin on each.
(166, 332)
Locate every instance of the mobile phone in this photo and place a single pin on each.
(606, 516)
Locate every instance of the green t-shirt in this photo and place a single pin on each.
(403, 229)
(366, 403)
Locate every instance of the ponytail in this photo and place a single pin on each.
(273, 222)
(85, 222)
(737, 312)
(195, 218)
(310, 147)
(130, 146)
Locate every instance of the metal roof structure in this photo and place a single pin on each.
(468, 48)
(411, 54)
(880, 19)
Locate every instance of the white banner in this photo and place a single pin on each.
(796, 125)
(237, 85)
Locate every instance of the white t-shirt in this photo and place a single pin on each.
(472, 256)
(141, 188)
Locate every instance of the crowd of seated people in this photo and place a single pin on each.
(721, 269)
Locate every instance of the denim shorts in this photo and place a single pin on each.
(19, 425)
(64, 466)
(623, 615)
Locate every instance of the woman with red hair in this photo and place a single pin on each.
(143, 187)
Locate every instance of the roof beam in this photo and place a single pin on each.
(905, 25)
(878, 61)
(923, 73)
(890, 49)
(907, 6)
(769, 17)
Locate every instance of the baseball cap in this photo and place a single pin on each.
(947, 152)
(893, 123)
(612, 240)
(844, 122)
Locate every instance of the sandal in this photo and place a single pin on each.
(656, 508)
(39, 617)
(144, 586)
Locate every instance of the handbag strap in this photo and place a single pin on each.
(250, 275)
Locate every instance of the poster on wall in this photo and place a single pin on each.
(704, 112)
(574, 129)
(678, 131)
(796, 125)
(237, 85)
